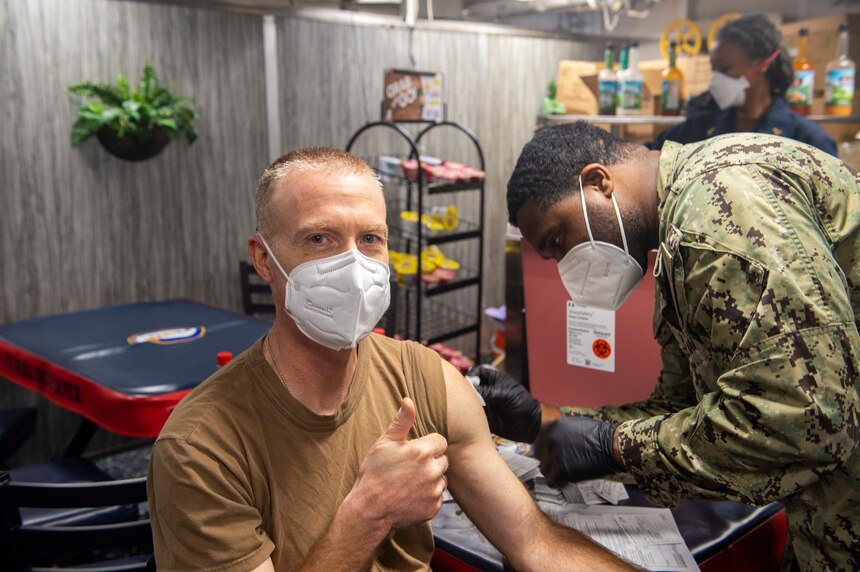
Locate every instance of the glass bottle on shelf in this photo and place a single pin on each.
(673, 80)
(800, 93)
(607, 84)
(839, 86)
(630, 85)
(619, 77)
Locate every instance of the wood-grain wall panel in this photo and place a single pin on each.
(82, 229)
(331, 82)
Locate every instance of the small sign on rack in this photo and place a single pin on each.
(413, 96)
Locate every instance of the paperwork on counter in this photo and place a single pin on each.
(647, 537)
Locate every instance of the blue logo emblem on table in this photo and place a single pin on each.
(168, 336)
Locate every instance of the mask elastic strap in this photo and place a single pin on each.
(763, 65)
(269, 250)
(585, 211)
(621, 225)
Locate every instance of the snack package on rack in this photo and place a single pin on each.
(436, 170)
(439, 218)
(454, 357)
(436, 268)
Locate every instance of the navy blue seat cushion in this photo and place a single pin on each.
(74, 470)
(132, 562)
(16, 425)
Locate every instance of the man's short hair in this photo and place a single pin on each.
(550, 164)
(299, 161)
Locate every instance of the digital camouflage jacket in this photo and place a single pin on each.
(756, 310)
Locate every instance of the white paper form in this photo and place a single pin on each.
(597, 491)
(647, 537)
(525, 468)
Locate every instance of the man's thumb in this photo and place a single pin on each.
(402, 423)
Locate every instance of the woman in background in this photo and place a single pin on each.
(751, 73)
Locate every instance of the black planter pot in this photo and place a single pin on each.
(134, 148)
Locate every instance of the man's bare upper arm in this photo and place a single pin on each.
(480, 481)
(266, 566)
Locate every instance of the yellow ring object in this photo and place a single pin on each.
(433, 223)
(685, 33)
(451, 218)
(449, 264)
(721, 21)
(408, 265)
(429, 262)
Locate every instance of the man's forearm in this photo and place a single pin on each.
(556, 547)
(348, 543)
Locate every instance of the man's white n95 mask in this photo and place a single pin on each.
(599, 274)
(336, 301)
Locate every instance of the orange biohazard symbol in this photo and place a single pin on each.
(601, 348)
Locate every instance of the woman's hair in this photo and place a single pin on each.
(759, 38)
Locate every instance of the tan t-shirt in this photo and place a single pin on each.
(242, 471)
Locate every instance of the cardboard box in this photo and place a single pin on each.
(576, 86)
(577, 89)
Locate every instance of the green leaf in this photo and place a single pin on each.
(110, 114)
(122, 85)
(131, 108)
(82, 129)
(148, 82)
(169, 124)
(107, 93)
(131, 112)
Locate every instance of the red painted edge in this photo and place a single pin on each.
(444, 562)
(759, 549)
(129, 415)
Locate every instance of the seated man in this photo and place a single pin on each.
(322, 447)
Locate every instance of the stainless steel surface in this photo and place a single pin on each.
(355, 18)
(616, 119)
(835, 118)
(666, 119)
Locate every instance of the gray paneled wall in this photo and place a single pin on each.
(80, 229)
(331, 80)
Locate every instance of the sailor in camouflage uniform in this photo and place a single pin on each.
(756, 312)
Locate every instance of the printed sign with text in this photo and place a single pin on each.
(413, 96)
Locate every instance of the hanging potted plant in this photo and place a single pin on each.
(133, 125)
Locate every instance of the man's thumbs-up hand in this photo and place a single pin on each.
(402, 422)
(400, 482)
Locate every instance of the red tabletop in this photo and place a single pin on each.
(124, 367)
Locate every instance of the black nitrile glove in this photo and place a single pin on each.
(511, 410)
(576, 449)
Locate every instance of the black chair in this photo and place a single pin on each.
(16, 426)
(27, 547)
(73, 470)
(253, 288)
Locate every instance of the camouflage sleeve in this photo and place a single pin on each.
(782, 408)
(673, 392)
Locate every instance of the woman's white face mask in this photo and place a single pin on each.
(728, 91)
(731, 91)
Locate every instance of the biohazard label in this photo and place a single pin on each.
(590, 337)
